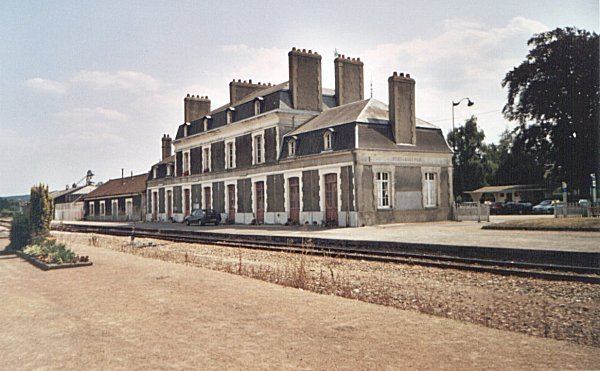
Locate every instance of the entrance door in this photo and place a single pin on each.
(260, 202)
(169, 205)
(154, 206)
(331, 205)
(207, 200)
(231, 203)
(186, 202)
(294, 187)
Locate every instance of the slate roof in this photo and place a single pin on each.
(120, 187)
(365, 111)
(168, 160)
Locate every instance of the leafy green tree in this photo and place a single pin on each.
(40, 210)
(470, 163)
(554, 97)
(518, 159)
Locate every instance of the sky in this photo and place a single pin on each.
(95, 84)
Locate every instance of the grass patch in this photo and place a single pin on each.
(549, 224)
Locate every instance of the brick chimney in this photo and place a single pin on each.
(349, 80)
(305, 79)
(402, 108)
(239, 89)
(195, 107)
(166, 146)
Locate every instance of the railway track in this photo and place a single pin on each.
(522, 263)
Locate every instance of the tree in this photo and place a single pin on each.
(554, 97)
(469, 160)
(40, 210)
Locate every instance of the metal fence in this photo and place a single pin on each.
(574, 210)
(473, 211)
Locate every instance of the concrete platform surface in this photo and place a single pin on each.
(130, 312)
(443, 233)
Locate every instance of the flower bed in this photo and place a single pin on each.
(47, 254)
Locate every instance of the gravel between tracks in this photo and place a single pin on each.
(560, 310)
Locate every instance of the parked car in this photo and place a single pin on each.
(512, 207)
(202, 217)
(496, 208)
(544, 207)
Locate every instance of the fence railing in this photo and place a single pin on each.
(473, 211)
(574, 210)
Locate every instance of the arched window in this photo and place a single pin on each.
(292, 147)
(327, 141)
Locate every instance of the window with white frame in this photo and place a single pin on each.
(186, 163)
(292, 147)
(258, 149)
(327, 141)
(115, 207)
(430, 190)
(230, 154)
(92, 208)
(154, 173)
(257, 107)
(383, 190)
(102, 208)
(205, 159)
(168, 170)
(229, 116)
(205, 124)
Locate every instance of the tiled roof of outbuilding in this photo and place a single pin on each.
(120, 187)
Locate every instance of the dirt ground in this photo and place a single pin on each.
(559, 310)
(132, 312)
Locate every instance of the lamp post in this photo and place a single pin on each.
(454, 104)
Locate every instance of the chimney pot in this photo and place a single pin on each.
(303, 50)
(294, 49)
(402, 109)
(349, 81)
(408, 75)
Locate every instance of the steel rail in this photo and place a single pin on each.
(552, 272)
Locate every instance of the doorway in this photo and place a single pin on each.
(260, 202)
(331, 199)
(231, 203)
(294, 205)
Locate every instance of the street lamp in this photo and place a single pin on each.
(454, 104)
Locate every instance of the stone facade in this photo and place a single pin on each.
(297, 153)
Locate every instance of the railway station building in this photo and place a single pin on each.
(298, 153)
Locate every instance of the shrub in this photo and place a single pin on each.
(19, 232)
(51, 252)
(40, 210)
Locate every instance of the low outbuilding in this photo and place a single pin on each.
(118, 200)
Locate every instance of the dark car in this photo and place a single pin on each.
(202, 217)
(496, 208)
(517, 207)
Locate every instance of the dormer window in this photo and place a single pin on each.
(205, 123)
(185, 130)
(328, 140)
(230, 115)
(292, 147)
(154, 173)
(257, 105)
(168, 170)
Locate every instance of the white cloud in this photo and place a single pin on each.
(46, 86)
(465, 59)
(125, 80)
(86, 115)
(258, 64)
